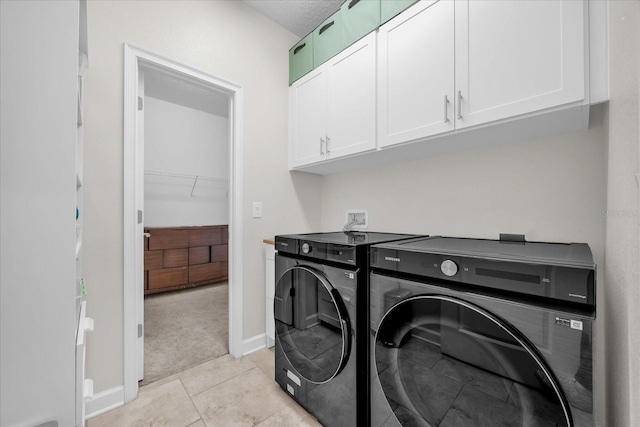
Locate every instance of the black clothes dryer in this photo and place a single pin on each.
(320, 307)
(482, 333)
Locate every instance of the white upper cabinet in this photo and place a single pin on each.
(308, 114)
(333, 108)
(517, 57)
(416, 73)
(351, 109)
(450, 75)
(447, 65)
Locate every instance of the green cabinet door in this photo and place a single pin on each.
(359, 18)
(327, 39)
(390, 8)
(301, 58)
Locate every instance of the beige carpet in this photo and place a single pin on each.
(184, 329)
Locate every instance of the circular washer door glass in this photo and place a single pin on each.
(312, 325)
(444, 362)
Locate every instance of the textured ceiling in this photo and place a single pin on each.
(298, 16)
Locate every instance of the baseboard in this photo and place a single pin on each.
(254, 343)
(104, 401)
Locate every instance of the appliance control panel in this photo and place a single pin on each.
(556, 282)
(286, 245)
(449, 268)
(316, 250)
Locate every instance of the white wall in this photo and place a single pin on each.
(622, 265)
(549, 189)
(226, 39)
(183, 141)
(38, 318)
(552, 189)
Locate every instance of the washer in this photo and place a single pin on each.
(469, 332)
(320, 307)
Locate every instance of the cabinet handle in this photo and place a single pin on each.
(325, 27)
(446, 105)
(328, 141)
(459, 105)
(321, 146)
(297, 49)
(353, 3)
(147, 234)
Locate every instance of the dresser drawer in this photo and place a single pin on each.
(168, 277)
(204, 272)
(175, 258)
(219, 253)
(200, 255)
(205, 237)
(168, 238)
(152, 260)
(224, 230)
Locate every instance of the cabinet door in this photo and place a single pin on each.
(351, 109)
(416, 73)
(308, 103)
(517, 57)
(390, 8)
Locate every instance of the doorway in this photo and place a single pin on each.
(137, 64)
(186, 217)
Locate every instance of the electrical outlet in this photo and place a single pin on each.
(358, 218)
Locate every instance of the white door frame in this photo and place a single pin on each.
(134, 198)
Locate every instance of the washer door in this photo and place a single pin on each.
(311, 324)
(442, 361)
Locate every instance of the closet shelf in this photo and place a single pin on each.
(195, 178)
(182, 175)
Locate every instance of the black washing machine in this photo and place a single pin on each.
(469, 332)
(320, 307)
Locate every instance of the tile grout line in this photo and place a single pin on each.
(209, 388)
(223, 382)
(192, 403)
(255, 366)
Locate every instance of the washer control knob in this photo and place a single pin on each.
(449, 268)
(306, 248)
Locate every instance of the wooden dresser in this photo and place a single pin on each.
(180, 257)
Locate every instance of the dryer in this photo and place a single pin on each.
(320, 309)
(469, 332)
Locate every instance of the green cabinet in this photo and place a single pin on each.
(301, 58)
(359, 18)
(327, 39)
(391, 8)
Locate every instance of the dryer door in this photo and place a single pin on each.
(312, 324)
(442, 361)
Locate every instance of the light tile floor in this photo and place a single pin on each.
(221, 392)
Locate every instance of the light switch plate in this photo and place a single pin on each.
(257, 210)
